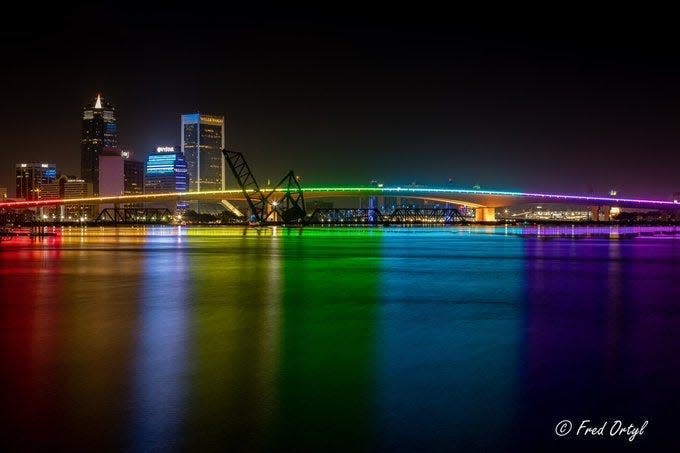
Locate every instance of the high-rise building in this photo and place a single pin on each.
(133, 172)
(99, 132)
(30, 178)
(166, 171)
(120, 173)
(202, 143)
(111, 173)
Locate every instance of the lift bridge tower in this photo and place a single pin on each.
(285, 201)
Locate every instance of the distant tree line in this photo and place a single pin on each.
(225, 217)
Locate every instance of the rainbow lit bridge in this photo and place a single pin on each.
(286, 200)
(483, 201)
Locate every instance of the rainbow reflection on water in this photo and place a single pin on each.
(360, 338)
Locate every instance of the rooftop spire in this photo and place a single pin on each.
(98, 102)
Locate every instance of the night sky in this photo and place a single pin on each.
(571, 101)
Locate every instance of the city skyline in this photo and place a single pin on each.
(337, 227)
(478, 103)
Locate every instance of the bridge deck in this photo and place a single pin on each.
(471, 198)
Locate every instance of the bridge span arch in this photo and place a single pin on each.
(484, 201)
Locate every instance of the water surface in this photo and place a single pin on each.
(352, 338)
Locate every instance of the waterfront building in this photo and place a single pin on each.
(111, 173)
(67, 187)
(31, 176)
(203, 139)
(166, 171)
(99, 133)
(120, 173)
(133, 174)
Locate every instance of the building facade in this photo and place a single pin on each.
(203, 138)
(31, 176)
(111, 173)
(99, 133)
(120, 173)
(68, 188)
(133, 174)
(166, 171)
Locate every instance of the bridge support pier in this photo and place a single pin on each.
(602, 213)
(485, 214)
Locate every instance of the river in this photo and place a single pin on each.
(392, 339)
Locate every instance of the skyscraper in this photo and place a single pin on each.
(30, 178)
(133, 170)
(120, 173)
(111, 175)
(99, 132)
(166, 171)
(202, 144)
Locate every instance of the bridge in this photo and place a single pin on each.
(288, 197)
(484, 201)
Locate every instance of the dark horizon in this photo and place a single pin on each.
(558, 105)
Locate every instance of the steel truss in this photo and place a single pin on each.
(256, 200)
(426, 215)
(374, 216)
(347, 216)
(290, 206)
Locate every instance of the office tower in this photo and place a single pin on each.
(133, 172)
(66, 187)
(120, 173)
(99, 132)
(166, 171)
(30, 178)
(111, 173)
(202, 143)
